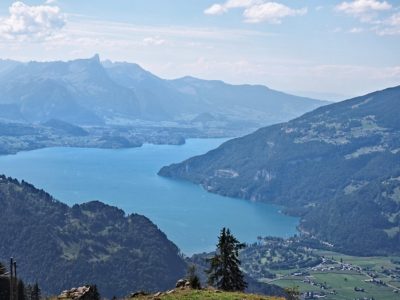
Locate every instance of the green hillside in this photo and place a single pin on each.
(337, 167)
(93, 243)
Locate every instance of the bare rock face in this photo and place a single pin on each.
(86, 292)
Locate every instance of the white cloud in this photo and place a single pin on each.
(241, 3)
(215, 9)
(31, 22)
(218, 9)
(257, 11)
(153, 41)
(373, 12)
(394, 20)
(270, 12)
(390, 26)
(356, 30)
(363, 9)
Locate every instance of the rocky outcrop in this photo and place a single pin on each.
(86, 292)
(182, 283)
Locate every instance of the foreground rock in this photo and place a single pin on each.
(86, 292)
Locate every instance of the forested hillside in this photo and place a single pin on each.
(337, 167)
(93, 243)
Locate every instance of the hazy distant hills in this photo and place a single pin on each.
(87, 91)
(79, 91)
(60, 247)
(338, 167)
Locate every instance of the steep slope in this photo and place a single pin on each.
(60, 247)
(338, 167)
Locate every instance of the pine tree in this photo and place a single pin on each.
(193, 279)
(224, 272)
(95, 293)
(21, 290)
(3, 270)
(4, 283)
(28, 292)
(36, 293)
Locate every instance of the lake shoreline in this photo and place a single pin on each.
(189, 216)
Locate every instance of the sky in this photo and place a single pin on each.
(327, 49)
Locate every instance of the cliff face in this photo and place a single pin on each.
(92, 243)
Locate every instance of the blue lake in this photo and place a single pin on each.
(127, 178)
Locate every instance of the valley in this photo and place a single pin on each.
(318, 271)
(342, 277)
(220, 150)
(127, 179)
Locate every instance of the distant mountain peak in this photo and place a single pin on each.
(95, 58)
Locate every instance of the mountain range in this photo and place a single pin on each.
(337, 167)
(92, 92)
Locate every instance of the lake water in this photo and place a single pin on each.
(127, 178)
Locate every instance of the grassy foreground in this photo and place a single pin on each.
(187, 294)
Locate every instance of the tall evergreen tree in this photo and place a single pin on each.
(4, 283)
(224, 272)
(36, 292)
(194, 280)
(93, 293)
(21, 290)
(3, 269)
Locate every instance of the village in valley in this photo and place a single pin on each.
(322, 274)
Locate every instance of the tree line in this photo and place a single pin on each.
(17, 287)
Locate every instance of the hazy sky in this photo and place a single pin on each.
(314, 47)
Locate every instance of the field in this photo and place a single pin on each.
(347, 277)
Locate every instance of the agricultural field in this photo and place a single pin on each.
(347, 277)
(331, 275)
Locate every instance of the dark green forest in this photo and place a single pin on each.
(60, 247)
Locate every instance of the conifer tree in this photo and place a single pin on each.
(3, 269)
(36, 293)
(21, 290)
(4, 283)
(95, 293)
(224, 272)
(193, 279)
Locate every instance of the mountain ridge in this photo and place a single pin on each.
(105, 92)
